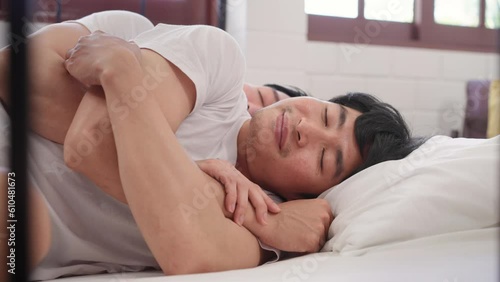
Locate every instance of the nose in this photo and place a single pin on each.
(252, 108)
(311, 132)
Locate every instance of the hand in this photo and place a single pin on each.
(93, 53)
(239, 190)
(301, 226)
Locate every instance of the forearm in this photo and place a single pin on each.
(161, 183)
(89, 146)
(138, 170)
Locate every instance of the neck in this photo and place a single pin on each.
(242, 144)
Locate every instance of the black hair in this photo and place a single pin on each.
(380, 130)
(291, 91)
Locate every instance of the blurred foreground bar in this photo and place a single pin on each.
(19, 90)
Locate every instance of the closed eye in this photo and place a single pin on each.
(321, 159)
(326, 117)
(261, 98)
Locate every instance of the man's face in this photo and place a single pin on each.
(261, 96)
(300, 147)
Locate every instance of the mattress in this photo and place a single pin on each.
(471, 255)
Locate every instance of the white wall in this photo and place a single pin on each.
(427, 86)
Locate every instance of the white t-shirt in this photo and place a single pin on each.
(213, 61)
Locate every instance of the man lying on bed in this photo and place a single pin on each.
(188, 81)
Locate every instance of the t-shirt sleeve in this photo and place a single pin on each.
(209, 56)
(123, 24)
(277, 253)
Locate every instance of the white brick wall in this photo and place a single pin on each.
(321, 58)
(493, 68)
(415, 63)
(464, 65)
(428, 86)
(282, 51)
(328, 86)
(277, 16)
(262, 76)
(398, 92)
(370, 60)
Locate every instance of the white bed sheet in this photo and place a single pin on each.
(454, 257)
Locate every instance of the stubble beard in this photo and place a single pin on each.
(261, 137)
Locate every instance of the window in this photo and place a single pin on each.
(344, 9)
(461, 13)
(443, 24)
(492, 16)
(385, 10)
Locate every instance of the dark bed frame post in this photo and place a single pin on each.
(18, 96)
(221, 11)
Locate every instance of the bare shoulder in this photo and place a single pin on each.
(55, 95)
(59, 37)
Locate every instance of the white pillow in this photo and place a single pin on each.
(446, 185)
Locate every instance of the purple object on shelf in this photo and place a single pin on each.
(476, 111)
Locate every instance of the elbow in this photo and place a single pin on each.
(190, 258)
(189, 265)
(72, 158)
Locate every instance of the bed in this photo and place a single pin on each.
(432, 216)
(455, 257)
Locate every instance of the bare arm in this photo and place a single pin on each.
(160, 179)
(161, 182)
(89, 146)
(54, 94)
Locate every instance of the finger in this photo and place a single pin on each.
(259, 204)
(271, 205)
(69, 53)
(326, 237)
(95, 34)
(231, 195)
(321, 244)
(329, 218)
(241, 205)
(67, 64)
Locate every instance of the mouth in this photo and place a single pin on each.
(281, 130)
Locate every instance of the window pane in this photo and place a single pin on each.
(389, 10)
(457, 12)
(492, 17)
(337, 8)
